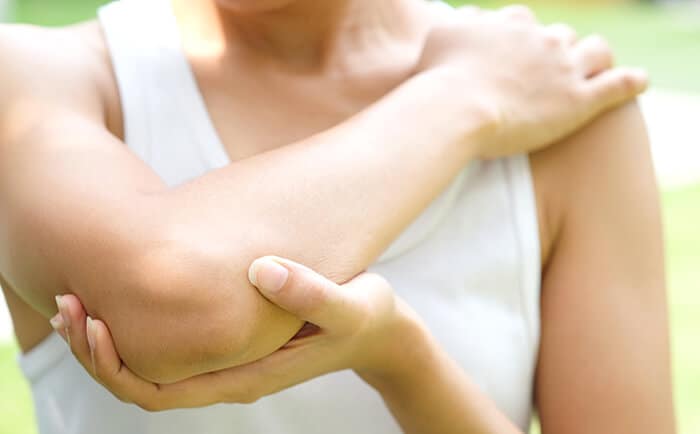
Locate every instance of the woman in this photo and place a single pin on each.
(160, 252)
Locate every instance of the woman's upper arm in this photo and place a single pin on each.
(76, 218)
(71, 193)
(82, 214)
(604, 356)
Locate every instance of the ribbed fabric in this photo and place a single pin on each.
(469, 265)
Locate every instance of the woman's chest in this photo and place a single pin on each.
(257, 112)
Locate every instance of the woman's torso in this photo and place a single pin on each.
(485, 314)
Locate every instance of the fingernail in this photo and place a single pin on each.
(268, 275)
(57, 322)
(90, 328)
(64, 316)
(252, 273)
(91, 338)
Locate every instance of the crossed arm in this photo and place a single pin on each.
(82, 215)
(110, 232)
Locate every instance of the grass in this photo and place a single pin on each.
(682, 214)
(55, 12)
(16, 411)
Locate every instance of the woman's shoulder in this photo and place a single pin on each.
(35, 50)
(592, 171)
(67, 68)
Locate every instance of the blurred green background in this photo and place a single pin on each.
(665, 39)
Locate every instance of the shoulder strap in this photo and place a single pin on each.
(165, 119)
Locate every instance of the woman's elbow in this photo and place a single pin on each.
(196, 313)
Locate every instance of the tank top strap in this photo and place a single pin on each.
(159, 94)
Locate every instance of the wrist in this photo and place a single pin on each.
(401, 359)
(462, 109)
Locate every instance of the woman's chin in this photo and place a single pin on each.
(253, 6)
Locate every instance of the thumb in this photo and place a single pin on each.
(616, 86)
(304, 293)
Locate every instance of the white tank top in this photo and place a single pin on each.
(469, 265)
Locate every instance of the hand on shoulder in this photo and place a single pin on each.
(530, 84)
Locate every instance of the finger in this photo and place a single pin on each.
(519, 12)
(102, 361)
(243, 384)
(305, 293)
(57, 323)
(74, 316)
(593, 56)
(563, 32)
(117, 377)
(128, 387)
(95, 351)
(280, 370)
(616, 86)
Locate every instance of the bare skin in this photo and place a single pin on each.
(433, 392)
(563, 223)
(169, 251)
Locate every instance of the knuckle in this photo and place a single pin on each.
(249, 399)
(574, 95)
(608, 57)
(149, 405)
(142, 404)
(552, 40)
(244, 392)
(248, 395)
(567, 68)
(627, 83)
(123, 399)
(599, 44)
(603, 48)
(150, 402)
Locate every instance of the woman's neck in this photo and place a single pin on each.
(302, 34)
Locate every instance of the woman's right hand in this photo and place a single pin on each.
(360, 325)
(530, 85)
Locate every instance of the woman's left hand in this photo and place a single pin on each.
(360, 325)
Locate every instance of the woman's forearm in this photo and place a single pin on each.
(166, 268)
(427, 391)
(346, 192)
(334, 201)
